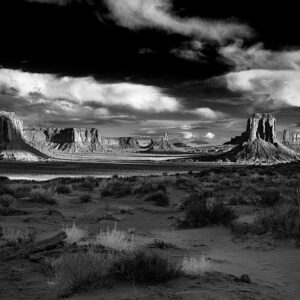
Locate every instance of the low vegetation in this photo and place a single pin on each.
(85, 198)
(195, 267)
(74, 233)
(79, 272)
(144, 267)
(281, 220)
(63, 189)
(115, 239)
(158, 199)
(42, 196)
(6, 200)
(201, 211)
(16, 235)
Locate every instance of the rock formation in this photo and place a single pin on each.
(12, 143)
(259, 143)
(291, 138)
(76, 140)
(163, 145)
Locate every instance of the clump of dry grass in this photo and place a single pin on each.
(115, 239)
(74, 233)
(15, 235)
(144, 267)
(195, 267)
(80, 271)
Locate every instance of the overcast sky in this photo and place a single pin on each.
(195, 69)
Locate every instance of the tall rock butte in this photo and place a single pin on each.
(12, 143)
(259, 143)
(291, 138)
(76, 140)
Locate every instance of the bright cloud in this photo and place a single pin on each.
(207, 113)
(70, 91)
(210, 135)
(280, 86)
(139, 14)
(187, 135)
(256, 57)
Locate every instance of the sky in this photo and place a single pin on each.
(193, 69)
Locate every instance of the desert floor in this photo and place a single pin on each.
(272, 264)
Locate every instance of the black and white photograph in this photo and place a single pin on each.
(149, 150)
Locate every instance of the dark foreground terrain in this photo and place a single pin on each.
(218, 233)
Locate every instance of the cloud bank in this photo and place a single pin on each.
(159, 14)
(36, 87)
(139, 14)
(256, 57)
(278, 87)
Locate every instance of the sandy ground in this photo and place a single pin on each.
(273, 267)
(54, 169)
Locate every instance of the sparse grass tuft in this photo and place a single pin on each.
(115, 239)
(158, 199)
(74, 233)
(195, 267)
(15, 235)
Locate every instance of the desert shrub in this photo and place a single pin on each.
(194, 197)
(115, 187)
(115, 239)
(78, 272)
(88, 184)
(6, 189)
(42, 196)
(6, 200)
(20, 190)
(74, 233)
(85, 198)
(158, 199)
(282, 220)
(195, 267)
(63, 189)
(270, 197)
(149, 185)
(145, 267)
(15, 235)
(4, 179)
(200, 212)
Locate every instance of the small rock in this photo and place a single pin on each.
(245, 278)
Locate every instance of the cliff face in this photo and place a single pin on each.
(76, 140)
(291, 138)
(259, 143)
(12, 143)
(261, 126)
(11, 130)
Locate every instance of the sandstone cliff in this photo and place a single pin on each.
(291, 138)
(76, 140)
(259, 143)
(163, 145)
(12, 143)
